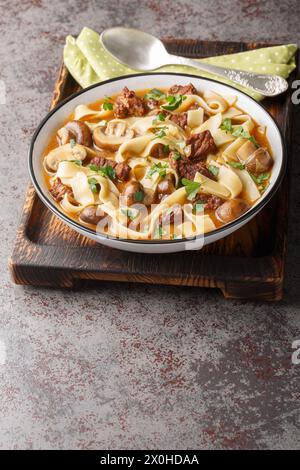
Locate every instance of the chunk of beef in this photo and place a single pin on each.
(122, 169)
(179, 119)
(175, 212)
(159, 151)
(165, 187)
(129, 104)
(183, 90)
(186, 168)
(152, 104)
(201, 145)
(209, 201)
(58, 190)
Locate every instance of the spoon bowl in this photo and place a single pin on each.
(134, 48)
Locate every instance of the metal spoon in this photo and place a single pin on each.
(142, 51)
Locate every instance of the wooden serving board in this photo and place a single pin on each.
(248, 264)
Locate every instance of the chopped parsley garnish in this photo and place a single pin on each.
(238, 131)
(77, 162)
(93, 183)
(176, 155)
(226, 125)
(213, 169)
(160, 133)
(159, 117)
(138, 196)
(130, 213)
(107, 105)
(107, 171)
(166, 149)
(191, 188)
(72, 143)
(237, 165)
(173, 102)
(159, 168)
(155, 94)
(261, 178)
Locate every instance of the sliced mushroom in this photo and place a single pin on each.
(133, 193)
(231, 210)
(63, 136)
(91, 215)
(149, 196)
(64, 152)
(76, 130)
(260, 161)
(81, 132)
(165, 187)
(115, 134)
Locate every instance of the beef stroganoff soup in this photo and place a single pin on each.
(158, 163)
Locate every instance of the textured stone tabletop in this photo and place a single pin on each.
(133, 366)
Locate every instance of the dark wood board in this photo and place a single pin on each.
(248, 264)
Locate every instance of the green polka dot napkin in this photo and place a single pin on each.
(89, 63)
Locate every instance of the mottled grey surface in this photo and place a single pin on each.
(131, 366)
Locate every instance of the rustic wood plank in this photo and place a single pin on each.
(247, 264)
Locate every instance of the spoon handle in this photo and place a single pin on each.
(267, 85)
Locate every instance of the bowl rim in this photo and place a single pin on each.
(68, 220)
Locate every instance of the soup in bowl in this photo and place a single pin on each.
(157, 162)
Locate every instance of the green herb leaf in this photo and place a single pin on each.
(173, 102)
(237, 165)
(159, 168)
(138, 196)
(155, 94)
(72, 143)
(160, 133)
(166, 149)
(130, 213)
(226, 125)
(176, 155)
(159, 117)
(107, 171)
(213, 169)
(260, 178)
(238, 131)
(77, 162)
(107, 106)
(93, 185)
(191, 188)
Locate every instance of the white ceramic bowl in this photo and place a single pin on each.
(158, 80)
